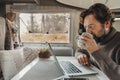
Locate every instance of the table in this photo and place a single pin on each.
(44, 69)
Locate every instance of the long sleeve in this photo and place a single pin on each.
(81, 51)
(110, 65)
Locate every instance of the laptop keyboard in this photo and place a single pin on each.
(69, 67)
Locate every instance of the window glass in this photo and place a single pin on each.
(42, 27)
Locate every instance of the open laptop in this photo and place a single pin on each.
(71, 68)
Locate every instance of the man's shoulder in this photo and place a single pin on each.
(118, 34)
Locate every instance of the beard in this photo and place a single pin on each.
(102, 35)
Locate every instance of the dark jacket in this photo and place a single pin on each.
(108, 57)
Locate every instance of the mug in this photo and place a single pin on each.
(79, 42)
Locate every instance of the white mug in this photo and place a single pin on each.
(79, 42)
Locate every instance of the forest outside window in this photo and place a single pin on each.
(42, 27)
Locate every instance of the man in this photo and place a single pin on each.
(103, 49)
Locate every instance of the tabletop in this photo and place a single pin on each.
(46, 68)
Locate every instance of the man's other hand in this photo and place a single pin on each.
(83, 59)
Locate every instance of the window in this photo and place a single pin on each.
(42, 27)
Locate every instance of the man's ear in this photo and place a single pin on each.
(107, 25)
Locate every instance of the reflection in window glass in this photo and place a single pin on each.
(52, 27)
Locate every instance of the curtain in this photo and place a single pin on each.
(8, 37)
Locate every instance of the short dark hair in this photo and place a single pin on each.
(100, 11)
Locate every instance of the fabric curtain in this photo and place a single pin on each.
(8, 37)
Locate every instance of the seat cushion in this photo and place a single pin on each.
(11, 62)
(63, 51)
(30, 54)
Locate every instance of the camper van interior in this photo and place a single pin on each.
(26, 26)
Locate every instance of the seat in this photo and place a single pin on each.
(11, 62)
(63, 51)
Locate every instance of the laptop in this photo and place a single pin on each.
(69, 68)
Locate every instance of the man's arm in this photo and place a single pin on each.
(110, 67)
(80, 51)
(83, 57)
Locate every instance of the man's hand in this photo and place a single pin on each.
(82, 59)
(90, 43)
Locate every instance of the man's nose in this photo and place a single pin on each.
(88, 30)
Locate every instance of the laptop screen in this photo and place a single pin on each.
(56, 60)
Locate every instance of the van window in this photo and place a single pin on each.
(42, 27)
